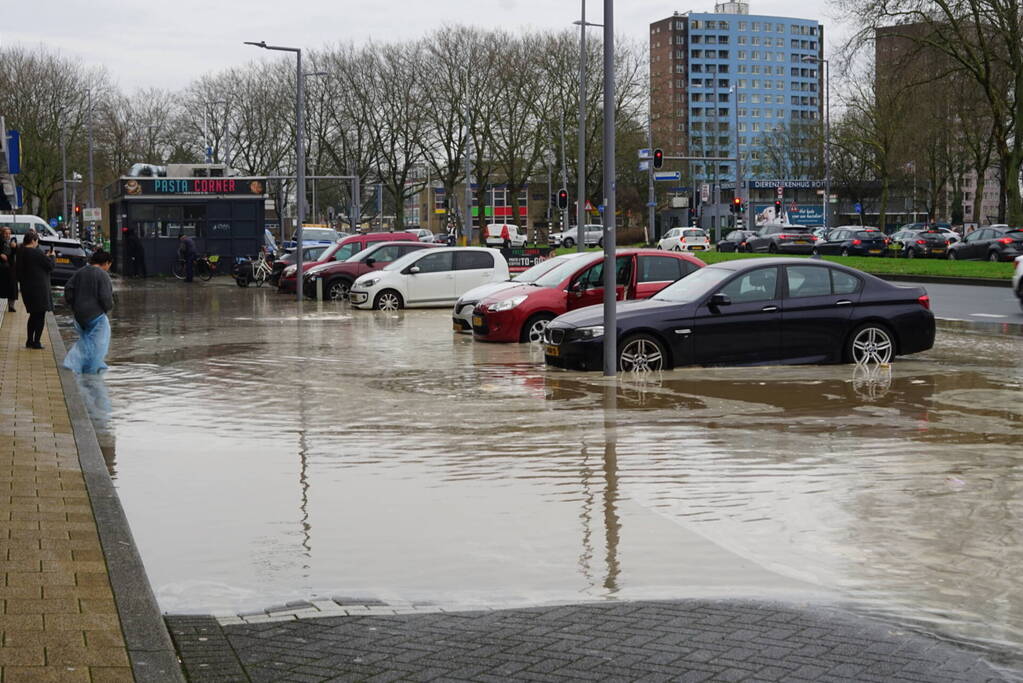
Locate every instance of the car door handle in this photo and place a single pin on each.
(843, 302)
(769, 309)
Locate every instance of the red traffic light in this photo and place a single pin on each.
(562, 199)
(78, 209)
(658, 158)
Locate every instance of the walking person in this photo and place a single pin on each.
(8, 278)
(90, 294)
(186, 251)
(33, 268)
(136, 254)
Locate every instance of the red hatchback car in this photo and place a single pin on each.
(340, 251)
(521, 314)
(338, 276)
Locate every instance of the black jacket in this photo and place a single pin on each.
(8, 279)
(33, 267)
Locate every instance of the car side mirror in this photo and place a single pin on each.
(413, 270)
(370, 261)
(577, 287)
(720, 299)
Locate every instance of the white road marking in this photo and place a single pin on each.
(988, 315)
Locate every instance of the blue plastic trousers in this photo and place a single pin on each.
(89, 353)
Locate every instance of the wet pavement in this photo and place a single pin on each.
(264, 457)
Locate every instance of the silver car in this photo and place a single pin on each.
(593, 233)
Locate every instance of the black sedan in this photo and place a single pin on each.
(853, 241)
(782, 239)
(736, 240)
(753, 312)
(990, 244)
(919, 243)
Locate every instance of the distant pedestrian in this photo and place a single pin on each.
(186, 251)
(90, 294)
(33, 268)
(136, 254)
(8, 278)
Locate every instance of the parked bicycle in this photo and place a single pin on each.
(205, 267)
(258, 270)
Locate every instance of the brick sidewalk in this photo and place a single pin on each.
(695, 640)
(59, 619)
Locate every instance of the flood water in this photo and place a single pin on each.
(264, 456)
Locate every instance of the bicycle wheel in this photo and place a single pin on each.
(179, 269)
(260, 276)
(203, 270)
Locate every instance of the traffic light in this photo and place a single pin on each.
(777, 207)
(737, 205)
(78, 210)
(658, 158)
(563, 199)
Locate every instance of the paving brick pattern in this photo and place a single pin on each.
(647, 641)
(58, 620)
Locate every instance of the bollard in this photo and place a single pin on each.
(319, 289)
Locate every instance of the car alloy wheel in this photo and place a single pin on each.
(534, 329)
(387, 300)
(568, 243)
(993, 257)
(641, 353)
(338, 290)
(845, 252)
(952, 255)
(911, 253)
(871, 344)
(816, 251)
(600, 243)
(773, 248)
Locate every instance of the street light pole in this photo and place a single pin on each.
(610, 187)
(299, 158)
(92, 185)
(827, 131)
(63, 178)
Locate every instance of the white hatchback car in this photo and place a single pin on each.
(685, 239)
(432, 277)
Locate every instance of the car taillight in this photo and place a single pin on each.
(925, 301)
(857, 243)
(947, 243)
(1005, 240)
(921, 241)
(887, 241)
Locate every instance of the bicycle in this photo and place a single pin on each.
(204, 268)
(257, 270)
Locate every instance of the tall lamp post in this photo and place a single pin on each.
(610, 188)
(580, 195)
(299, 156)
(827, 131)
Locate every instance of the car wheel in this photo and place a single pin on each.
(845, 252)
(870, 343)
(773, 248)
(952, 255)
(993, 257)
(338, 290)
(678, 247)
(600, 243)
(388, 300)
(532, 331)
(911, 253)
(642, 353)
(242, 281)
(816, 251)
(568, 243)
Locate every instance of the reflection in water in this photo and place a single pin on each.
(431, 467)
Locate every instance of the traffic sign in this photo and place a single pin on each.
(651, 204)
(704, 193)
(92, 215)
(644, 165)
(53, 222)
(646, 153)
(667, 175)
(589, 206)
(859, 207)
(780, 192)
(600, 208)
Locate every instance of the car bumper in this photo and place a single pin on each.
(360, 298)
(695, 247)
(793, 248)
(286, 285)
(461, 318)
(575, 355)
(496, 327)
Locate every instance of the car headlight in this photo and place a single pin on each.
(290, 270)
(367, 283)
(506, 304)
(589, 332)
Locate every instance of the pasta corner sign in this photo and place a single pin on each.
(137, 187)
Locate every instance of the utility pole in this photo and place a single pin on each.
(63, 175)
(580, 195)
(92, 184)
(467, 217)
(610, 188)
(651, 202)
(564, 176)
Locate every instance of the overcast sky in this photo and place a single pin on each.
(167, 44)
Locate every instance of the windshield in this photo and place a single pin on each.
(531, 275)
(694, 233)
(566, 270)
(695, 286)
(361, 255)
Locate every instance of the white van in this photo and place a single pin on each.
(22, 223)
(496, 232)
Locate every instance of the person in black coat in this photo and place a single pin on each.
(8, 279)
(33, 268)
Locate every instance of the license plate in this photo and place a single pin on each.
(552, 350)
(937, 251)
(800, 242)
(875, 251)
(697, 247)
(63, 260)
(477, 321)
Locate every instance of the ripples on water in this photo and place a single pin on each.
(264, 456)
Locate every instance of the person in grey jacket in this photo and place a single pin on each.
(90, 294)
